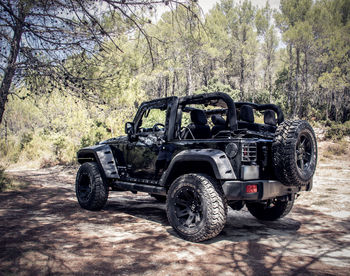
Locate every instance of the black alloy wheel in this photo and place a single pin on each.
(188, 207)
(196, 207)
(91, 190)
(84, 186)
(304, 151)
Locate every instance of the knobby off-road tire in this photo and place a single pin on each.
(196, 207)
(91, 190)
(159, 198)
(271, 210)
(294, 153)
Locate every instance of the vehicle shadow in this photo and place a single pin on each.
(43, 230)
(240, 225)
(144, 207)
(303, 243)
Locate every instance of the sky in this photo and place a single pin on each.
(206, 5)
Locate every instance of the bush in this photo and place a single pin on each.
(59, 146)
(4, 181)
(9, 151)
(95, 134)
(337, 131)
(337, 149)
(26, 139)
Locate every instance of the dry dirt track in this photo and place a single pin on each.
(44, 231)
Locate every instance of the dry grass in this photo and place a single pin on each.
(9, 183)
(332, 150)
(5, 182)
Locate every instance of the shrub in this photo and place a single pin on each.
(59, 146)
(26, 139)
(47, 163)
(337, 131)
(9, 151)
(4, 181)
(336, 149)
(95, 134)
(85, 141)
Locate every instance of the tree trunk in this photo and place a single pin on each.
(173, 84)
(241, 78)
(253, 84)
(305, 95)
(11, 64)
(6, 138)
(166, 85)
(189, 86)
(297, 93)
(269, 76)
(242, 65)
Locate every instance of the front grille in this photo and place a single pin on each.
(249, 152)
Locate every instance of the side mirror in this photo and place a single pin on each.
(129, 128)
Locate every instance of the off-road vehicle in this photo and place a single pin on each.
(174, 154)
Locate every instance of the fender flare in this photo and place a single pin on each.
(217, 159)
(103, 155)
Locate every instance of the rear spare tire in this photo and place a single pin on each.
(91, 190)
(294, 153)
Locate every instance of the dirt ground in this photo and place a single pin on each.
(44, 231)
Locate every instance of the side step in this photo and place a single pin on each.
(133, 187)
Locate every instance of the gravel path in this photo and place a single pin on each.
(44, 231)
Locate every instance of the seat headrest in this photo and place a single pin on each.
(269, 117)
(198, 117)
(218, 120)
(247, 114)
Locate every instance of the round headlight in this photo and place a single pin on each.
(231, 150)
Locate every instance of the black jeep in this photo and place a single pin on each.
(173, 153)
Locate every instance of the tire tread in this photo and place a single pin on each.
(283, 149)
(99, 194)
(216, 207)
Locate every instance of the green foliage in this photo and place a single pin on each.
(5, 182)
(59, 146)
(26, 139)
(234, 48)
(9, 151)
(337, 131)
(154, 116)
(51, 129)
(96, 133)
(262, 97)
(215, 85)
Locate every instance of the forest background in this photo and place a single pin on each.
(297, 56)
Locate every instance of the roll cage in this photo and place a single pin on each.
(232, 112)
(226, 106)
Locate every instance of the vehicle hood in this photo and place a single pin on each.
(123, 138)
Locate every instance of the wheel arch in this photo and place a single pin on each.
(208, 161)
(103, 156)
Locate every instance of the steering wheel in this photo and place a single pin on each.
(156, 127)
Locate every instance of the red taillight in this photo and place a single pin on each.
(251, 189)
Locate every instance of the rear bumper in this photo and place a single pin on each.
(267, 189)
